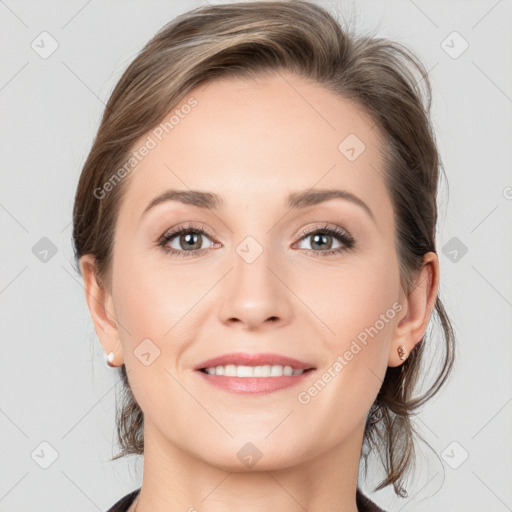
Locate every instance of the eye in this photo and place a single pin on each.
(322, 237)
(189, 237)
(189, 240)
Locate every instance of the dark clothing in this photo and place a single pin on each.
(364, 504)
(124, 503)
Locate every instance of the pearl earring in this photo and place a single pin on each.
(110, 359)
(401, 352)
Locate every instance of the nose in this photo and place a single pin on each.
(255, 294)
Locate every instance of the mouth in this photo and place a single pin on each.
(254, 374)
(242, 371)
(241, 364)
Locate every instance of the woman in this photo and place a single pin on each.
(255, 227)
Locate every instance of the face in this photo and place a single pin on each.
(314, 280)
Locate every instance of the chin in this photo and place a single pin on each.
(254, 454)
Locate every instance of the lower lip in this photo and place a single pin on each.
(254, 385)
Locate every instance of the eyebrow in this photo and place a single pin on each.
(296, 200)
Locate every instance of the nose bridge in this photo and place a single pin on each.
(252, 263)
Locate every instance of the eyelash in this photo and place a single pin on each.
(342, 236)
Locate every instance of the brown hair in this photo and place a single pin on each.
(249, 39)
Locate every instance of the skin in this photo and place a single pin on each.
(244, 139)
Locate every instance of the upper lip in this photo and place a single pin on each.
(245, 359)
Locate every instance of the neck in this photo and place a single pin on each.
(175, 480)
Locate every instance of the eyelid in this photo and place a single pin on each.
(326, 227)
(188, 226)
(306, 231)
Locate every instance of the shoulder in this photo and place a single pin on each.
(124, 503)
(364, 504)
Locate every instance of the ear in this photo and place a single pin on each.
(99, 301)
(417, 307)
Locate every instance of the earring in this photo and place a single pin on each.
(401, 352)
(110, 359)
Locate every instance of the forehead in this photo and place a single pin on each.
(244, 138)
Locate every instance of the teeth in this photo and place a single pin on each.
(231, 370)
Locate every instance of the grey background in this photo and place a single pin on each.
(55, 387)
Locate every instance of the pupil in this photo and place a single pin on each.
(188, 238)
(317, 237)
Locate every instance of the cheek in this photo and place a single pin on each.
(360, 309)
(152, 304)
(151, 296)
